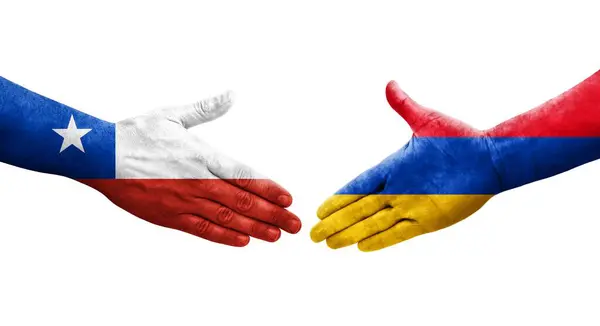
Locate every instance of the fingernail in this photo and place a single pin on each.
(317, 234)
(293, 226)
(336, 243)
(365, 247)
(242, 240)
(284, 200)
(273, 234)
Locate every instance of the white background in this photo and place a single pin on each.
(311, 114)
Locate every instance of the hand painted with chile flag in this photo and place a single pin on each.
(448, 170)
(149, 165)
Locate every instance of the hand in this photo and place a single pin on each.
(168, 176)
(444, 174)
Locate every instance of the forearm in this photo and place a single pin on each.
(35, 134)
(555, 137)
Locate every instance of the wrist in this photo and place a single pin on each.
(557, 136)
(40, 134)
(496, 159)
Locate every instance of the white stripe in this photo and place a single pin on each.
(155, 147)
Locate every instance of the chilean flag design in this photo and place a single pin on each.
(134, 162)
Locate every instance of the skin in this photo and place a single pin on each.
(150, 165)
(382, 217)
(213, 196)
(448, 170)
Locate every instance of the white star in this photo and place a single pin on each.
(72, 136)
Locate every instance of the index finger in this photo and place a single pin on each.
(335, 203)
(347, 216)
(368, 182)
(244, 177)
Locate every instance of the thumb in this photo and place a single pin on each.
(206, 110)
(412, 112)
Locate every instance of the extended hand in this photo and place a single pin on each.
(444, 174)
(169, 177)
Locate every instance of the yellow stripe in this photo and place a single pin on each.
(379, 221)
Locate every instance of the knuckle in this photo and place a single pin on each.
(274, 214)
(213, 162)
(244, 201)
(243, 177)
(266, 189)
(257, 228)
(201, 228)
(207, 187)
(202, 159)
(201, 107)
(224, 215)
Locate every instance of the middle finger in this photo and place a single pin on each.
(347, 216)
(250, 205)
(229, 218)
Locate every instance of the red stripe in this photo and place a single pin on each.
(575, 113)
(439, 125)
(162, 201)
